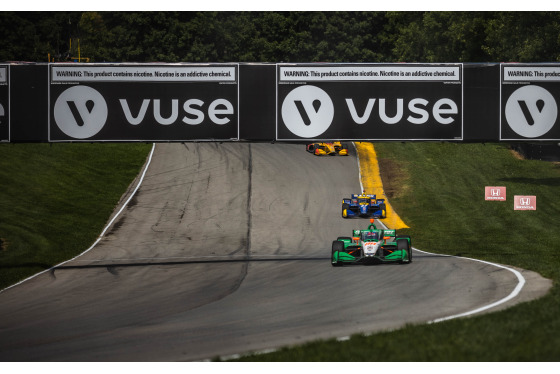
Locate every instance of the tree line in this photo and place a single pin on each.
(281, 36)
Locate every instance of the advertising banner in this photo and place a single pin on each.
(4, 103)
(494, 193)
(525, 202)
(369, 102)
(529, 97)
(143, 102)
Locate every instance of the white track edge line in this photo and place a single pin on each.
(104, 230)
(514, 293)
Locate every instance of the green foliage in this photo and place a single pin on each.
(438, 36)
(31, 36)
(523, 36)
(281, 36)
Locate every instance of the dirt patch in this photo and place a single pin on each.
(516, 154)
(393, 177)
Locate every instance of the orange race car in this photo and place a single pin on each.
(330, 149)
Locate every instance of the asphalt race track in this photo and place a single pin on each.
(223, 250)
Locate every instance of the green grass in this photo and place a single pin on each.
(441, 198)
(55, 200)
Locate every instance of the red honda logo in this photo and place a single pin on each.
(525, 203)
(495, 193)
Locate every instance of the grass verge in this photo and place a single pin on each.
(438, 190)
(42, 186)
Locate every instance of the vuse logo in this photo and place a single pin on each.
(307, 111)
(80, 112)
(531, 111)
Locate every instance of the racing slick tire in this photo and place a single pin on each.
(345, 208)
(403, 244)
(337, 246)
(383, 210)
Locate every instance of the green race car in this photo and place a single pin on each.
(372, 245)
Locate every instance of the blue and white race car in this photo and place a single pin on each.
(363, 206)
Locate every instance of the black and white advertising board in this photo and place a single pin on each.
(4, 103)
(369, 102)
(143, 102)
(529, 98)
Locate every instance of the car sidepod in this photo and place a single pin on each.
(378, 210)
(381, 211)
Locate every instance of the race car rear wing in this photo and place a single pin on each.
(354, 199)
(388, 234)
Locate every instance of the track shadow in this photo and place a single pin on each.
(113, 265)
(106, 265)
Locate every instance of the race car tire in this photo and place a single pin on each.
(345, 208)
(337, 246)
(383, 210)
(403, 244)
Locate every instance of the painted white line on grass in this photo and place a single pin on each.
(104, 230)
